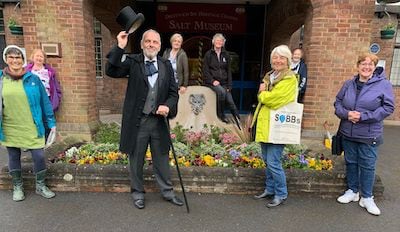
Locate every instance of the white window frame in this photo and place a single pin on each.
(395, 67)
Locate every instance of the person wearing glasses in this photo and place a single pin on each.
(361, 105)
(25, 112)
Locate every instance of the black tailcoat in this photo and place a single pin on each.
(136, 93)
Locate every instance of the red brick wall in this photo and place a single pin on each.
(386, 53)
(335, 33)
(9, 10)
(71, 24)
(110, 91)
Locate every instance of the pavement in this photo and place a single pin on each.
(83, 211)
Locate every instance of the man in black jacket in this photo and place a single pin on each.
(151, 95)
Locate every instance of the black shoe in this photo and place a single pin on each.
(264, 195)
(275, 202)
(175, 200)
(139, 203)
(224, 119)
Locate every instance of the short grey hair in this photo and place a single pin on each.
(176, 36)
(282, 50)
(146, 32)
(218, 36)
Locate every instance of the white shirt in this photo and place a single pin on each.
(153, 78)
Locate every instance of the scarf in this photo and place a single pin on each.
(14, 75)
(270, 85)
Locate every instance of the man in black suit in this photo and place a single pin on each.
(151, 95)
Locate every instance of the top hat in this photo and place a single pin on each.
(129, 20)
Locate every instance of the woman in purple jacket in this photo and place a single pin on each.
(47, 75)
(361, 104)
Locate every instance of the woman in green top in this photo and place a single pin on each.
(25, 109)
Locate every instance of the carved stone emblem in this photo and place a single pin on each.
(197, 102)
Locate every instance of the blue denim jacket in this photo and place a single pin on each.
(38, 100)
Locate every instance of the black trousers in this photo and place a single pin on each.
(149, 134)
(224, 99)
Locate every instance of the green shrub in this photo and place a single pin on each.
(108, 133)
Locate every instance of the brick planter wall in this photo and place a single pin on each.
(115, 178)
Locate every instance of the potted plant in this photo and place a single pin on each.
(387, 1)
(388, 31)
(14, 26)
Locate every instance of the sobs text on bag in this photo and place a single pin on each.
(285, 124)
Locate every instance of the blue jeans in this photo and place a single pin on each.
(14, 159)
(275, 182)
(360, 166)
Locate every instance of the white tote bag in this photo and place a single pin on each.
(285, 124)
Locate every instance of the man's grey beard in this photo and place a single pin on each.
(150, 55)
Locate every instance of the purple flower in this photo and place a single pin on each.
(234, 153)
(302, 159)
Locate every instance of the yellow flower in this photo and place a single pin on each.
(311, 163)
(181, 160)
(148, 154)
(112, 156)
(209, 160)
(187, 164)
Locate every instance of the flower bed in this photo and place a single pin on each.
(210, 147)
(212, 161)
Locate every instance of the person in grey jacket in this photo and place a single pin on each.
(361, 104)
(179, 61)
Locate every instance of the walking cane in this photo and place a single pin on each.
(177, 166)
(236, 119)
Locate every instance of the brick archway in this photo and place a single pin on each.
(335, 33)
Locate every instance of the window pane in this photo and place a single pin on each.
(98, 57)
(395, 73)
(97, 26)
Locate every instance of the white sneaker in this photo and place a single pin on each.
(348, 197)
(370, 205)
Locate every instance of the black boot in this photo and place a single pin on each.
(236, 118)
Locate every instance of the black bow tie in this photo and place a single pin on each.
(149, 68)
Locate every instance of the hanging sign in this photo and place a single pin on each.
(201, 18)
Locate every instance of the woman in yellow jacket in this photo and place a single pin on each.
(279, 88)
